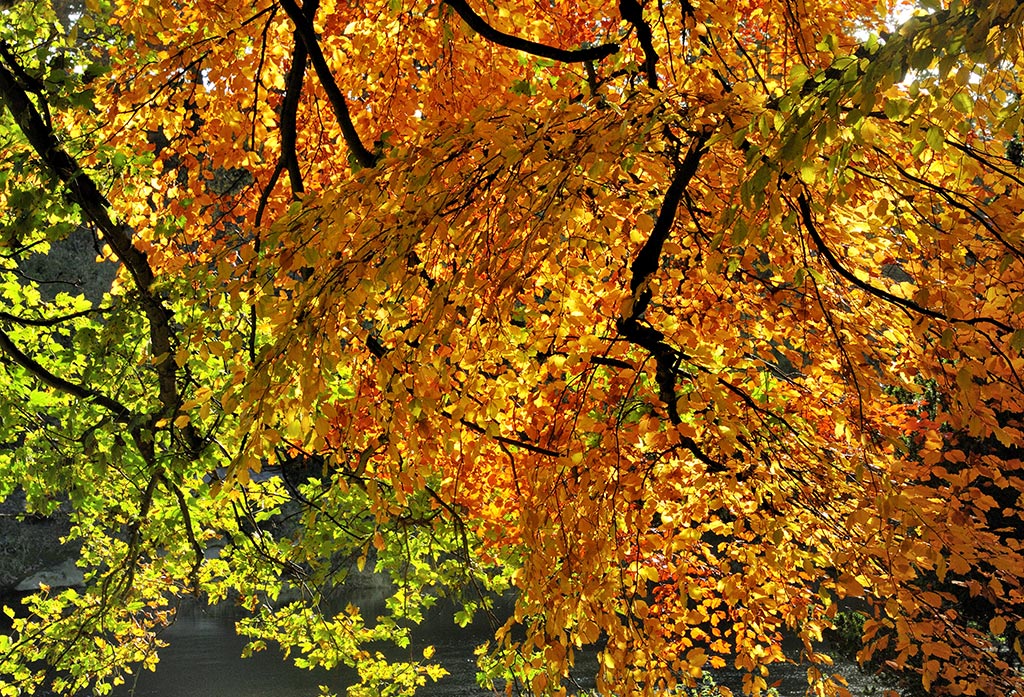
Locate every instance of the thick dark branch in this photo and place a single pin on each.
(289, 118)
(612, 362)
(812, 229)
(633, 13)
(304, 28)
(643, 267)
(666, 368)
(481, 27)
(83, 191)
(121, 412)
(647, 259)
(29, 83)
(290, 105)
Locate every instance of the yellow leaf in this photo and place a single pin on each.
(850, 586)
(697, 657)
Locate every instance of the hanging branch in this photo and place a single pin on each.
(807, 216)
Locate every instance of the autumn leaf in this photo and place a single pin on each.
(683, 325)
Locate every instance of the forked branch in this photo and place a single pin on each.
(633, 327)
(304, 28)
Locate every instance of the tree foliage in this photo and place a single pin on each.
(686, 322)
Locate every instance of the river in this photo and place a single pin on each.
(203, 661)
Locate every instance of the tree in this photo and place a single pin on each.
(686, 321)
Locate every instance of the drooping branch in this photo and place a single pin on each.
(83, 191)
(190, 534)
(666, 368)
(289, 158)
(633, 13)
(952, 198)
(644, 266)
(289, 118)
(304, 28)
(481, 27)
(807, 216)
(121, 412)
(258, 81)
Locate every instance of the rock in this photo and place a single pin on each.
(64, 575)
(29, 543)
(70, 267)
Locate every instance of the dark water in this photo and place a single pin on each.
(203, 661)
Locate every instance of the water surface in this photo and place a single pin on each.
(203, 660)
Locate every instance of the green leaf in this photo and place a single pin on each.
(1017, 340)
(962, 102)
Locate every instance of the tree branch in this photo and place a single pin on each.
(481, 27)
(94, 206)
(121, 413)
(290, 105)
(643, 267)
(633, 13)
(304, 28)
(186, 520)
(26, 81)
(950, 198)
(49, 321)
(808, 220)
(647, 259)
(477, 428)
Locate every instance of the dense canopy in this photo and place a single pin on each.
(685, 324)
